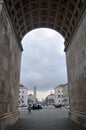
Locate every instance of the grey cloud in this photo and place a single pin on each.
(43, 60)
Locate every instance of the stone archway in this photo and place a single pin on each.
(60, 15)
(19, 17)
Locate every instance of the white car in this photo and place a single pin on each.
(67, 106)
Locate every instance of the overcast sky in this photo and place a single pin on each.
(43, 61)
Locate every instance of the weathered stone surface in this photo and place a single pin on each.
(76, 63)
(10, 56)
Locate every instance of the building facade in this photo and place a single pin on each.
(59, 94)
(50, 99)
(66, 94)
(31, 98)
(23, 95)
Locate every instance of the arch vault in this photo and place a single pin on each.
(18, 17)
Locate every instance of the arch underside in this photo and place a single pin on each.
(60, 15)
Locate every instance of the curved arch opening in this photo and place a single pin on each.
(43, 61)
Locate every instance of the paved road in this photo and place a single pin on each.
(46, 119)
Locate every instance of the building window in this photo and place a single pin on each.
(22, 101)
(58, 96)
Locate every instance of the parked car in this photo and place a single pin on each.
(23, 105)
(57, 105)
(36, 107)
(67, 106)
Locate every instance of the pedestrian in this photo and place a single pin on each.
(29, 108)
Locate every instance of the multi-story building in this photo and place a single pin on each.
(23, 95)
(59, 94)
(50, 99)
(31, 98)
(66, 94)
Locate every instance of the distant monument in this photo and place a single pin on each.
(35, 98)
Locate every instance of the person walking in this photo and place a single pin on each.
(29, 108)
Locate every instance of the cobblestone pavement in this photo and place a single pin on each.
(45, 119)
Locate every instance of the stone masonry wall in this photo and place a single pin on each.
(76, 65)
(10, 57)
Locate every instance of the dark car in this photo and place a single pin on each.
(36, 107)
(57, 105)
